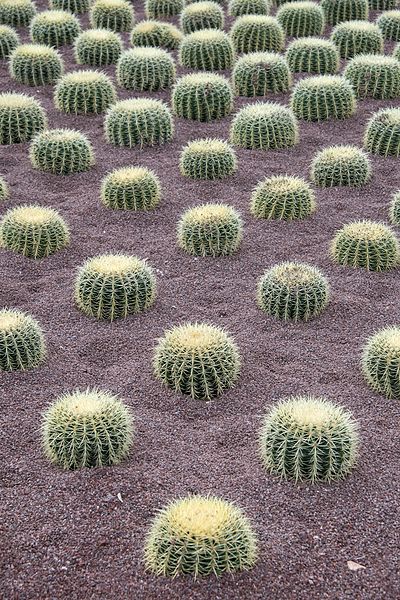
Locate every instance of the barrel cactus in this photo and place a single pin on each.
(198, 360)
(90, 428)
(261, 73)
(336, 11)
(61, 152)
(366, 244)
(138, 122)
(301, 19)
(114, 286)
(202, 15)
(340, 166)
(374, 76)
(282, 197)
(208, 159)
(264, 125)
(382, 134)
(9, 40)
(198, 536)
(35, 64)
(357, 37)
(389, 24)
(237, 8)
(55, 28)
(202, 97)
(257, 33)
(381, 362)
(97, 48)
(33, 231)
(206, 50)
(21, 117)
(394, 209)
(313, 55)
(131, 188)
(146, 69)
(83, 92)
(306, 438)
(22, 344)
(73, 6)
(323, 97)
(396, 51)
(116, 15)
(17, 13)
(160, 9)
(4, 189)
(382, 4)
(156, 34)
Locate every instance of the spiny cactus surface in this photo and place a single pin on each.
(22, 344)
(323, 97)
(394, 209)
(208, 159)
(54, 28)
(237, 8)
(282, 197)
(336, 11)
(146, 69)
(264, 125)
(116, 15)
(97, 48)
(17, 13)
(131, 188)
(82, 92)
(357, 37)
(389, 23)
(374, 76)
(340, 166)
(21, 117)
(202, 97)
(4, 189)
(202, 15)
(160, 9)
(301, 19)
(381, 362)
(156, 34)
(313, 55)
(382, 134)
(73, 6)
(207, 50)
(61, 152)
(9, 40)
(257, 33)
(35, 64)
(261, 73)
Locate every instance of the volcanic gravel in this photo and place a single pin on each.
(79, 535)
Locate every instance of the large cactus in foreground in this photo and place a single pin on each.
(35, 64)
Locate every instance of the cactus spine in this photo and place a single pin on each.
(282, 197)
(82, 92)
(313, 55)
(357, 37)
(208, 159)
(373, 76)
(389, 24)
(206, 50)
(21, 117)
(61, 152)
(17, 13)
(73, 6)
(97, 48)
(54, 28)
(202, 97)
(323, 97)
(261, 73)
(9, 40)
(202, 15)
(381, 362)
(257, 33)
(301, 19)
(146, 69)
(382, 134)
(35, 64)
(160, 9)
(336, 11)
(340, 166)
(131, 188)
(238, 8)
(116, 15)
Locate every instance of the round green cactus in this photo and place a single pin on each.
(394, 209)
(323, 97)
(382, 4)
(208, 159)
(198, 360)
(21, 117)
(264, 125)
(156, 35)
(159, 9)
(200, 536)
(389, 24)
(131, 188)
(61, 151)
(396, 51)
(301, 19)
(146, 69)
(238, 8)
(336, 11)
(202, 15)
(4, 189)
(381, 362)
(9, 40)
(340, 166)
(313, 55)
(34, 231)
(138, 122)
(257, 33)
(17, 13)
(261, 73)
(282, 197)
(114, 286)
(382, 134)
(210, 230)
(83, 92)
(22, 344)
(306, 438)
(73, 6)
(357, 37)
(54, 28)
(35, 64)
(374, 76)
(202, 97)
(207, 50)
(90, 428)
(366, 244)
(293, 291)
(97, 48)
(117, 15)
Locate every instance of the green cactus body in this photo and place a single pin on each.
(257, 33)
(9, 40)
(17, 13)
(374, 76)
(21, 117)
(238, 8)
(116, 15)
(90, 428)
(159, 9)
(340, 166)
(264, 125)
(282, 197)
(382, 134)
(207, 50)
(313, 55)
(73, 6)
(202, 15)
(396, 50)
(61, 152)
(366, 244)
(323, 97)
(301, 19)
(35, 64)
(381, 362)
(394, 209)
(34, 231)
(198, 360)
(357, 37)
(336, 11)
(4, 189)
(146, 69)
(22, 344)
(138, 122)
(306, 438)
(156, 34)
(208, 159)
(382, 4)
(261, 73)
(131, 188)
(54, 28)
(200, 536)
(83, 92)
(202, 97)
(389, 24)
(97, 48)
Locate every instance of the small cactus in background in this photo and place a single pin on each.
(394, 209)
(257, 33)
(83, 92)
(389, 24)
(90, 428)
(264, 125)
(381, 362)
(138, 121)
(116, 15)
(61, 151)
(17, 13)
(4, 189)
(206, 50)
(357, 37)
(282, 197)
(146, 69)
(73, 6)
(35, 64)
(21, 117)
(159, 9)
(208, 159)
(374, 76)
(156, 34)
(114, 286)
(313, 55)
(396, 51)
(97, 48)
(306, 438)
(336, 11)
(261, 73)
(301, 19)
(382, 4)
(198, 360)
(198, 536)
(210, 230)
(323, 97)
(293, 291)
(340, 166)
(238, 8)
(34, 231)
(9, 40)
(202, 15)
(382, 134)
(22, 344)
(366, 244)
(54, 28)
(131, 188)
(202, 97)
